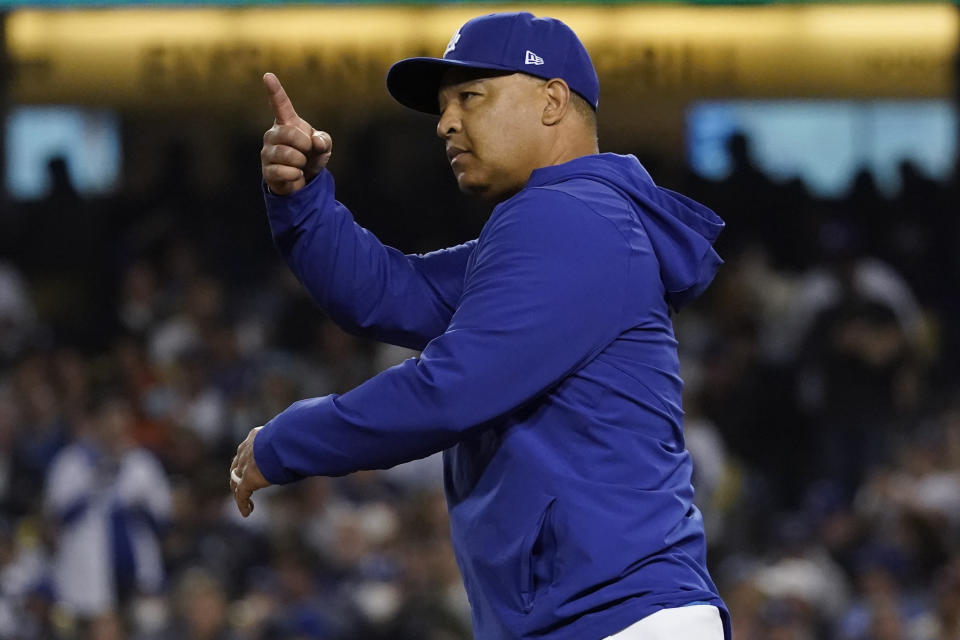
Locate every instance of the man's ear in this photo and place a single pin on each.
(558, 101)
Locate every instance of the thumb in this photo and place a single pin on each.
(322, 149)
(322, 142)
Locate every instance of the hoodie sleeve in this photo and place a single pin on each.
(545, 295)
(367, 288)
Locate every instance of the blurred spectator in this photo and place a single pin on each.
(42, 427)
(17, 315)
(200, 309)
(108, 500)
(844, 276)
(139, 308)
(26, 595)
(201, 610)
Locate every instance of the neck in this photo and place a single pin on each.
(566, 147)
(572, 145)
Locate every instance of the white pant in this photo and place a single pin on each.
(696, 622)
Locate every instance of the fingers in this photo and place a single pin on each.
(284, 157)
(322, 149)
(241, 487)
(277, 175)
(242, 497)
(290, 136)
(245, 477)
(281, 164)
(282, 154)
(283, 109)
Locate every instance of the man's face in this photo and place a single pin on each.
(491, 124)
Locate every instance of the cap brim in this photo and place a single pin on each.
(415, 82)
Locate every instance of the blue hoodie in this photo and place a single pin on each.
(549, 377)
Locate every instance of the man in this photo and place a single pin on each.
(549, 370)
(109, 500)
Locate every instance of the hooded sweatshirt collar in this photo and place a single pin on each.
(681, 231)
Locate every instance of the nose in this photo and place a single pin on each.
(449, 122)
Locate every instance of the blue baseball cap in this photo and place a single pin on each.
(512, 42)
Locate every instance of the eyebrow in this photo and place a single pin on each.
(458, 87)
(464, 83)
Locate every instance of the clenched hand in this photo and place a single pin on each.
(293, 151)
(245, 476)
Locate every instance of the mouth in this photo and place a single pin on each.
(454, 152)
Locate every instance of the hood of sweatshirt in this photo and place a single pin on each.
(681, 231)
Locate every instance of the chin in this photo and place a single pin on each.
(480, 189)
(470, 186)
(485, 193)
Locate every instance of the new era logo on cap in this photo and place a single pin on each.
(533, 58)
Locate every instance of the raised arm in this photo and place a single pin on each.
(366, 287)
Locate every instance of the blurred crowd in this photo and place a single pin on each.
(143, 334)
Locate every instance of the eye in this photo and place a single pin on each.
(465, 96)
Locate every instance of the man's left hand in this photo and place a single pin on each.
(245, 476)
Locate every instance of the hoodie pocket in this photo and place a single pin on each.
(536, 562)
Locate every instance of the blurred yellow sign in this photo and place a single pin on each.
(338, 56)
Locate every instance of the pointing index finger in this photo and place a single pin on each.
(282, 107)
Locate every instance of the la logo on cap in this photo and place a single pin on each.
(452, 44)
(532, 58)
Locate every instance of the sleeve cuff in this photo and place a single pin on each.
(308, 191)
(268, 462)
(289, 211)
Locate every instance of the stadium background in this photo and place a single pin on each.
(145, 317)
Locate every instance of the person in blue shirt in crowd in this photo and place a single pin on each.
(548, 374)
